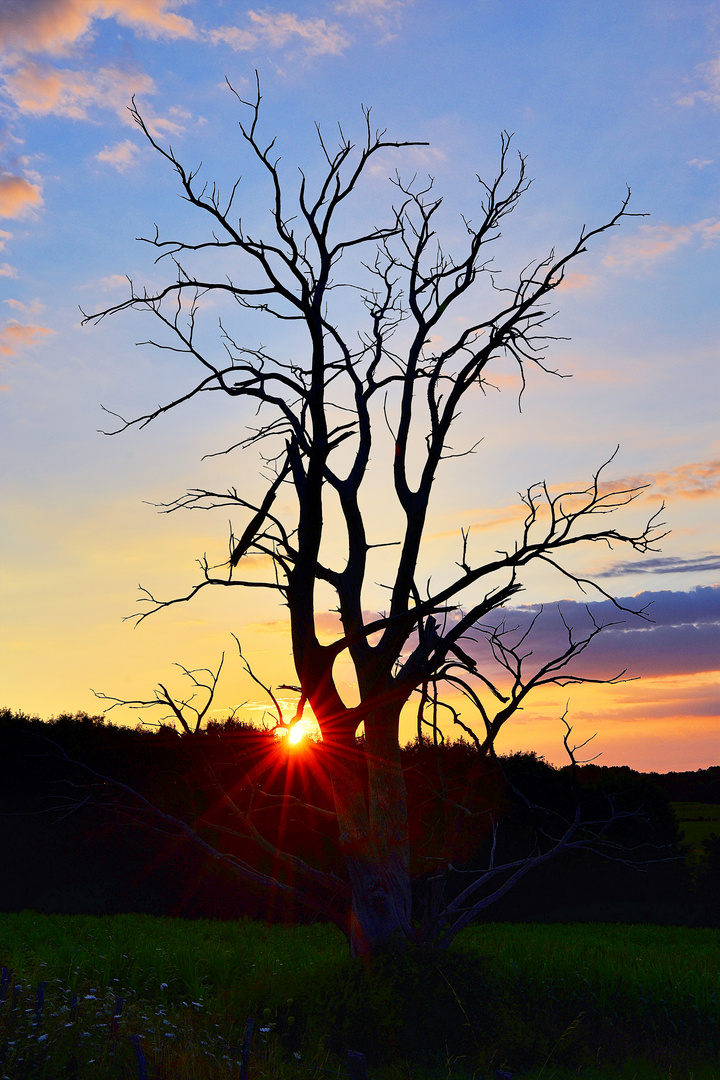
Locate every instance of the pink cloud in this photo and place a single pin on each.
(649, 243)
(53, 25)
(4, 237)
(575, 280)
(278, 29)
(121, 156)
(695, 480)
(653, 242)
(6, 270)
(18, 196)
(32, 308)
(42, 90)
(16, 336)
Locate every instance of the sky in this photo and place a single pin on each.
(598, 96)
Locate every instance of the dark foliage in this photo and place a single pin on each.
(702, 786)
(76, 845)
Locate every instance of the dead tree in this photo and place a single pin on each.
(319, 414)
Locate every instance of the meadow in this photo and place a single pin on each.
(531, 1001)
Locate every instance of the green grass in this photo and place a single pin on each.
(592, 1001)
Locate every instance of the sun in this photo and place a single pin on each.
(299, 732)
(296, 735)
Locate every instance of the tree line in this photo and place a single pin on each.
(92, 817)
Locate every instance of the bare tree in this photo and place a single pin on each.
(318, 416)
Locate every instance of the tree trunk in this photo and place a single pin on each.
(374, 840)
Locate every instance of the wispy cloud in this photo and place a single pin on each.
(6, 270)
(370, 7)
(276, 30)
(576, 280)
(15, 336)
(664, 564)
(54, 25)
(653, 242)
(33, 308)
(383, 13)
(4, 237)
(121, 156)
(114, 281)
(694, 480)
(38, 89)
(700, 163)
(489, 519)
(18, 196)
(709, 92)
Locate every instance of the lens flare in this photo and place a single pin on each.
(300, 731)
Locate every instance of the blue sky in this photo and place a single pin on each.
(598, 96)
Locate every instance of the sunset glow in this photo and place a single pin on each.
(637, 329)
(296, 734)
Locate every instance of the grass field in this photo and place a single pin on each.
(538, 1002)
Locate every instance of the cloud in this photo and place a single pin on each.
(369, 7)
(653, 242)
(276, 30)
(328, 622)
(709, 73)
(575, 280)
(42, 90)
(665, 564)
(114, 281)
(16, 336)
(383, 13)
(491, 519)
(54, 25)
(700, 163)
(682, 639)
(6, 270)
(4, 237)
(30, 309)
(121, 156)
(18, 197)
(695, 480)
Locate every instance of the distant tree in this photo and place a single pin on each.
(318, 417)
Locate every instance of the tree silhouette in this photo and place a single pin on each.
(320, 415)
